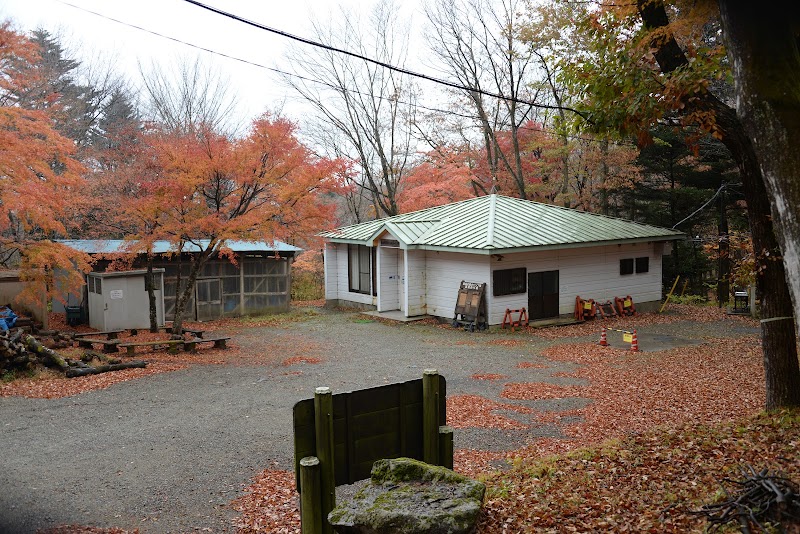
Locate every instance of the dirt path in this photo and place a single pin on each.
(169, 452)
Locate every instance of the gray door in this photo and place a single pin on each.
(208, 296)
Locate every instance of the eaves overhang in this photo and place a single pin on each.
(489, 251)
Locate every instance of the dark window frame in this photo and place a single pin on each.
(638, 265)
(626, 266)
(361, 251)
(509, 281)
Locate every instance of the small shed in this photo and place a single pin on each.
(259, 281)
(119, 300)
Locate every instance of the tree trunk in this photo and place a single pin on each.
(603, 176)
(778, 338)
(724, 275)
(762, 45)
(183, 296)
(151, 295)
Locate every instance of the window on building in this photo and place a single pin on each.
(360, 260)
(626, 266)
(631, 265)
(509, 281)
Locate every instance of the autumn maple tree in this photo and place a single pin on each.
(447, 174)
(210, 189)
(38, 181)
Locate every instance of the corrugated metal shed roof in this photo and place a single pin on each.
(495, 223)
(113, 246)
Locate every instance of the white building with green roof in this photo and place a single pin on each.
(529, 254)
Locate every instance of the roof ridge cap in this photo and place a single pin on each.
(490, 222)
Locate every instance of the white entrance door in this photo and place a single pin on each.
(401, 272)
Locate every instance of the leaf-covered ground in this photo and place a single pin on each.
(679, 421)
(646, 482)
(663, 429)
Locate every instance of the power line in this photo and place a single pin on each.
(704, 206)
(311, 80)
(375, 61)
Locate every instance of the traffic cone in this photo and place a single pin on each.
(634, 343)
(603, 340)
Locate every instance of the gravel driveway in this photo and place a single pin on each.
(169, 452)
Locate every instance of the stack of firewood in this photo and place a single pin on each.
(20, 351)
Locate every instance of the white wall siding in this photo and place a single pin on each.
(340, 279)
(331, 264)
(416, 276)
(591, 273)
(432, 278)
(445, 271)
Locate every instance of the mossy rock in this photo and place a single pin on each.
(406, 496)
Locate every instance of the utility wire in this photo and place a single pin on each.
(306, 79)
(704, 206)
(376, 62)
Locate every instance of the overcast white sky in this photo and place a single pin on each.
(257, 88)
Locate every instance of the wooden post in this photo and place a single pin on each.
(323, 426)
(446, 446)
(430, 416)
(669, 294)
(310, 505)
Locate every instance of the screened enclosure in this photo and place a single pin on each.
(259, 282)
(256, 285)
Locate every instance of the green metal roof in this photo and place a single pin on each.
(499, 224)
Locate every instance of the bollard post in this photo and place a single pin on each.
(310, 505)
(446, 446)
(430, 416)
(323, 425)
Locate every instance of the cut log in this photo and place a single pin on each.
(73, 372)
(33, 345)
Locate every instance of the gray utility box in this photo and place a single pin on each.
(118, 300)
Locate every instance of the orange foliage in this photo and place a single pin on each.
(446, 176)
(263, 187)
(457, 172)
(39, 180)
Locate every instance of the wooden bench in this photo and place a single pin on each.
(172, 345)
(110, 334)
(191, 344)
(196, 333)
(109, 345)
